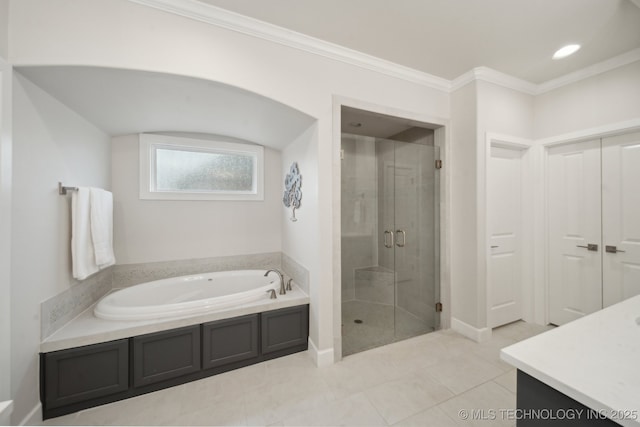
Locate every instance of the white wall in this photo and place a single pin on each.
(4, 29)
(51, 144)
(300, 238)
(5, 212)
(504, 111)
(463, 164)
(603, 99)
(5, 204)
(477, 109)
(164, 230)
(5, 231)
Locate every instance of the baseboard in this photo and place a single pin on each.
(321, 358)
(471, 332)
(34, 417)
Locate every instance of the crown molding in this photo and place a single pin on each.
(496, 77)
(603, 131)
(590, 71)
(233, 21)
(463, 80)
(246, 25)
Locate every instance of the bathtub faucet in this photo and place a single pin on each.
(282, 291)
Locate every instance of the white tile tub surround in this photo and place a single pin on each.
(57, 311)
(133, 274)
(60, 309)
(87, 329)
(297, 272)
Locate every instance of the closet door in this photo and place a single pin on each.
(621, 217)
(574, 224)
(504, 187)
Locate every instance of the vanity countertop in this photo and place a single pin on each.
(594, 360)
(88, 329)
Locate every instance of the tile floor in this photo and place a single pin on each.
(421, 381)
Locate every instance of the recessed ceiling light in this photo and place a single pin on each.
(566, 51)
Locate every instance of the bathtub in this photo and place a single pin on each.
(186, 295)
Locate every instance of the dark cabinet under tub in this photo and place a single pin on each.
(285, 328)
(85, 373)
(164, 355)
(230, 340)
(83, 377)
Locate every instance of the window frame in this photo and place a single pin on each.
(149, 143)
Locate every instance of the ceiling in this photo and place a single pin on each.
(447, 38)
(122, 102)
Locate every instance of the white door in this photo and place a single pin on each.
(504, 195)
(574, 221)
(621, 217)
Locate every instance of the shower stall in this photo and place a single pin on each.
(390, 238)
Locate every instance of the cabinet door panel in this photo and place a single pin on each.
(85, 373)
(165, 355)
(285, 328)
(230, 340)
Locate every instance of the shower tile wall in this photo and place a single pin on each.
(374, 284)
(359, 209)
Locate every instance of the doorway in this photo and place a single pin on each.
(593, 225)
(505, 193)
(390, 236)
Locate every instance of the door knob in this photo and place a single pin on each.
(590, 247)
(612, 249)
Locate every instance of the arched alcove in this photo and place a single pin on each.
(125, 101)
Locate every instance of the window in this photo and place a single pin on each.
(173, 168)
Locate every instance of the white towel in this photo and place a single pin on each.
(91, 231)
(102, 227)
(82, 253)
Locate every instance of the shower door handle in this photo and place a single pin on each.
(388, 243)
(404, 238)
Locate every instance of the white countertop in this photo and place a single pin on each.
(594, 360)
(88, 329)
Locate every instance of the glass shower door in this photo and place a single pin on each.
(389, 241)
(416, 248)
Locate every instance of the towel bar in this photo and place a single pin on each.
(62, 190)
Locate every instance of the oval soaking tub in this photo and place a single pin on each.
(186, 295)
